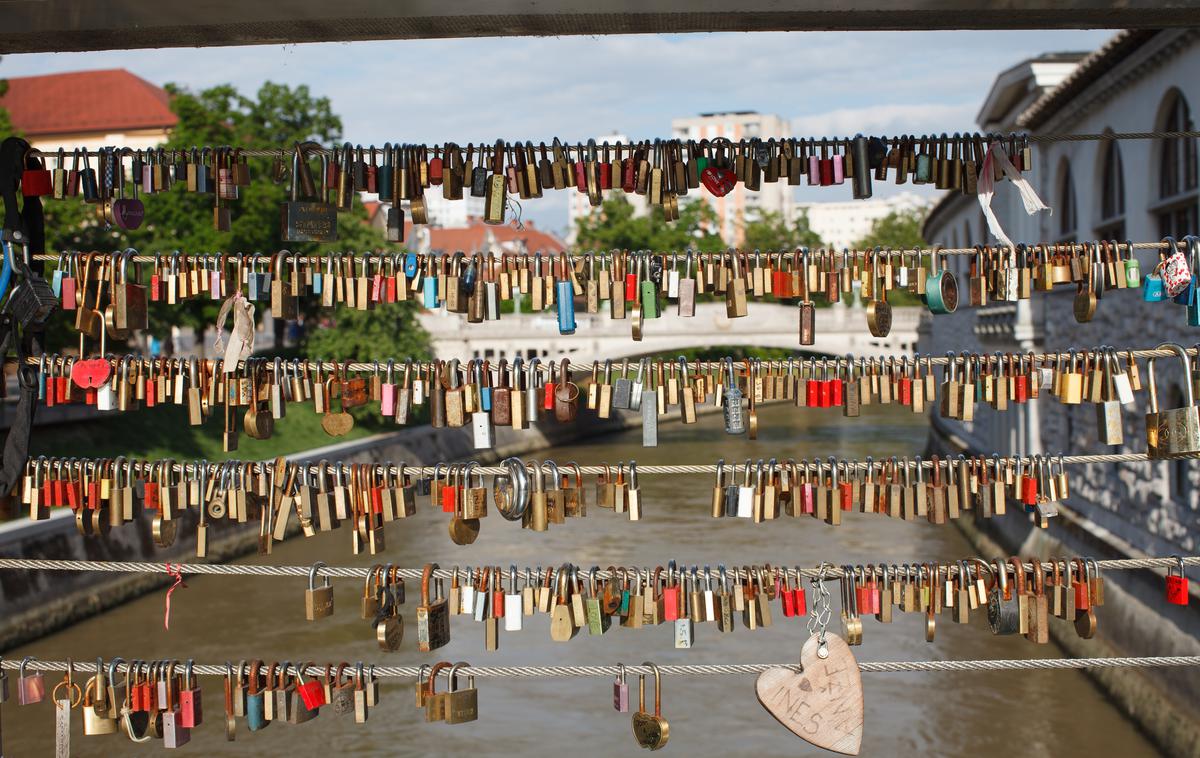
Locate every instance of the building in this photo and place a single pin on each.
(841, 224)
(739, 206)
(451, 213)
(472, 236)
(89, 109)
(1139, 81)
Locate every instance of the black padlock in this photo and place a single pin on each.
(32, 301)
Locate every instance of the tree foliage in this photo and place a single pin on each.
(770, 231)
(6, 126)
(900, 228)
(177, 220)
(618, 226)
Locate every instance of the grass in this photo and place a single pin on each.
(164, 432)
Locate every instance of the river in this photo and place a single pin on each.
(1043, 713)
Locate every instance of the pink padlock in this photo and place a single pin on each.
(621, 691)
(387, 399)
(31, 688)
(190, 712)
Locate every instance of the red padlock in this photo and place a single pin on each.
(191, 714)
(801, 601)
(787, 596)
(150, 496)
(1177, 584)
(311, 692)
(1029, 490)
(670, 594)
(812, 390)
(719, 181)
(35, 178)
(1079, 583)
(825, 391)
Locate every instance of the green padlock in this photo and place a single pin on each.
(1133, 269)
(941, 288)
(647, 291)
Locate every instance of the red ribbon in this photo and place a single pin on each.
(172, 571)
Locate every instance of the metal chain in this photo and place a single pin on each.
(822, 609)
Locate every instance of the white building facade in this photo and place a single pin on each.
(1140, 190)
(842, 224)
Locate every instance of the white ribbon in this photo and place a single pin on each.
(1029, 197)
(241, 341)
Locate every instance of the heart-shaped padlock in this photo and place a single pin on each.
(650, 730)
(90, 374)
(128, 212)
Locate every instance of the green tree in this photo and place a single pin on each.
(898, 229)
(6, 126)
(276, 118)
(770, 231)
(616, 225)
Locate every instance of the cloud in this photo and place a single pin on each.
(919, 118)
(481, 89)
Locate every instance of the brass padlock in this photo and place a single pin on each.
(1173, 432)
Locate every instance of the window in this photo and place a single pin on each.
(1112, 194)
(1066, 204)
(1177, 173)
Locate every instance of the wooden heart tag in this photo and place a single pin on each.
(824, 704)
(337, 424)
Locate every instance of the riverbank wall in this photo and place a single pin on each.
(1135, 619)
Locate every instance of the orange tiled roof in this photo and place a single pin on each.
(471, 238)
(110, 100)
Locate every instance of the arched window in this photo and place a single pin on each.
(1177, 172)
(1067, 217)
(1112, 194)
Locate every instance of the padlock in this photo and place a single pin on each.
(462, 705)
(1177, 584)
(174, 733)
(255, 701)
(318, 601)
(305, 216)
(650, 730)
(191, 713)
(433, 615)
(31, 688)
(1003, 606)
(32, 301)
(621, 691)
(1173, 432)
(311, 693)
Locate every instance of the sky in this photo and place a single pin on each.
(535, 88)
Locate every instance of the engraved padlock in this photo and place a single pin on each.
(1177, 429)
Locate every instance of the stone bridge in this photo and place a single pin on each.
(840, 330)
